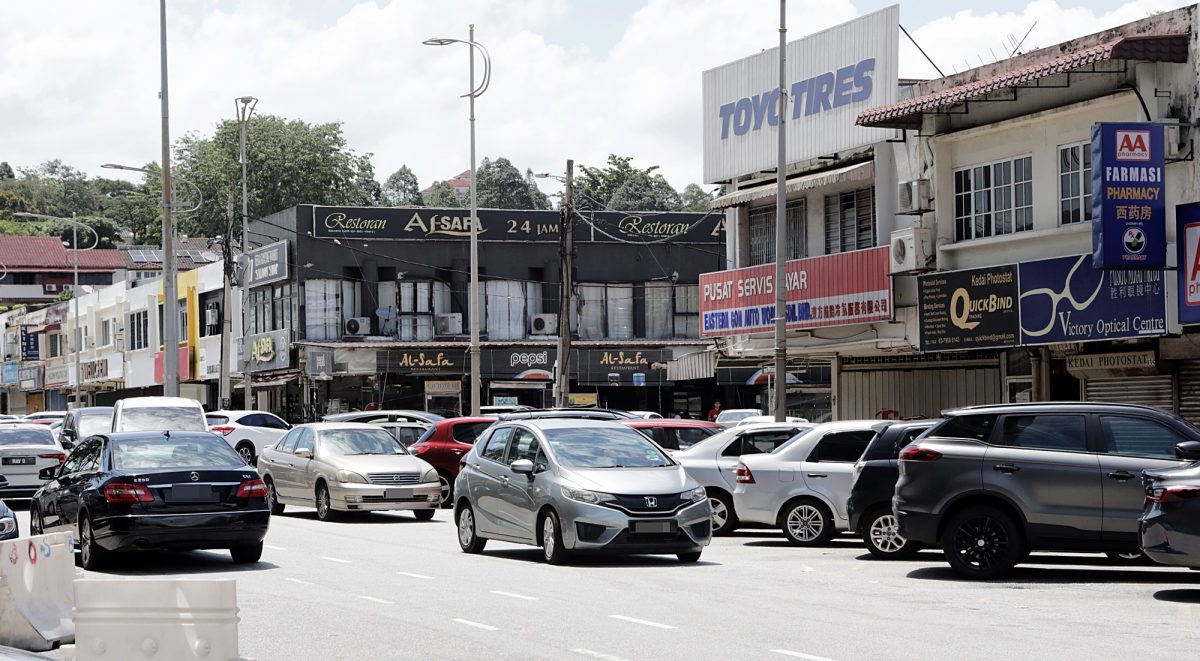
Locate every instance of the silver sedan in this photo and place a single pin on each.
(347, 466)
(571, 485)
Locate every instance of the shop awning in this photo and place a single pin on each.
(274, 380)
(699, 365)
(1145, 48)
(857, 172)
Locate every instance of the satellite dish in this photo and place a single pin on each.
(385, 314)
(209, 256)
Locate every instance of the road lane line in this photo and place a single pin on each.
(298, 581)
(377, 600)
(411, 575)
(801, 655)
(485, 627)
(806, 568)
(597, 655)
(274, 548)
(514, 595)
(339, 560)
(645, 622)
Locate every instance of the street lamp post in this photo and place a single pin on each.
(245, 108)
(77, 342)
(473, 293)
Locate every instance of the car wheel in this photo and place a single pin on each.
(882, 538)
(447, 484)
(467, 539)
(724, 520)
(689, 557)
(36, 526)
(807, 523)
(246, 553)
(325, 511)
(982, 543)
(424, 515)
(91, 556)
(552, 545)
(1131, 558)
(273, 498)
(246, 450)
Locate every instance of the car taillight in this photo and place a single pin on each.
(252, 489)
(744, 476)
(918, 453)
(1171, 494)
(57, 456)
(127, 493)
(223, 430)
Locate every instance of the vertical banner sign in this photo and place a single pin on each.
(1128, 210)
(1187, 243)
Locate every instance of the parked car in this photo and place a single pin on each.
(645, 415)
(84, 422)
(758, 419)
(869, 506)
(803, 485)
(133, 491)
(405, 432)
(44, 417)
(9, 529)
(574, 413)
(572, 485)
(992, 483)
(247, 432)
(713, 463)
(675, 433)
(445, 444)
(497, 409)
(1169, 528)
(5, 417)
(158, 414)
(730, 417)
(384, 416)
(347, 466)
(25, 451)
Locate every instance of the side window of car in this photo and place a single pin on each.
(686, 437)
(250, 420)
(665, 438)
(305, 441)
(468, 432)
(74, 460)
(92, 462)
(977, 427)
(497, 443)
(85, 458)
(734, 449)
(524, 446)
(841, 447)
(765, 443)
(1049, 431)
(272, 422)
(1139, 437)
(288, 442)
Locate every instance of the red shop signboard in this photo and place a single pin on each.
(833, 290)
(185, 365)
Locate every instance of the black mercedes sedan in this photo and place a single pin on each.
(1170, 522)
(177, 491)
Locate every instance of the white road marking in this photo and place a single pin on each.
(645, 622)
(344, 562)
(597, 655)
(274, 548)
(411, 575)
(485, 627)
(298, 581)
(377, 600)
(806, 568)
(801, 655)
(514, 595)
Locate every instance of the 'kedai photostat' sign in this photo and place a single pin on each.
(1128, 209)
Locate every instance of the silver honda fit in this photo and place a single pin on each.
(572, 485)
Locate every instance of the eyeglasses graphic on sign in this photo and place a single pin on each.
(1038, 318)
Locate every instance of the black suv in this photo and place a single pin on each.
(992, 483)
(872, 488)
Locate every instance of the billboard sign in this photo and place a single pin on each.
(1129, 212)
(30, 349)
(833, 290)
(972, 309)
(1187, 244)
(268, 264)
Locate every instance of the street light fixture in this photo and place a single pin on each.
(245, 108)
(77, 342)
(473, 293)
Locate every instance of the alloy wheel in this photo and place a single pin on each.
(548, 536)
(885, 534)
(445, 485)
(247, 454)
(85, 542)
(35, 521)
(720, 513)
(323, 502)
(981, 542)
(805, 523)
(466, 527)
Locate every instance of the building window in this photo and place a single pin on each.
(510, 306)
(55, 345)
(419, 302)
(327, 304)
(271, 308)
(212, 320)
(139, 330)
(762, 232)
(604, 311)
(672, 310)
(106, 332)
(849, 221)
(182, 326)
(1075, 183)
(993, 199)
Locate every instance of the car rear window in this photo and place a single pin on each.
(165, 452)
(889, 443)
(26, 436)
(469, 431)
(162, 418)
(842, 447)
(91, 424)
(977, 427)
(689, 436)
(217, 419)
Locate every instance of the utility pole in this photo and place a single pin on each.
(170, 339)
(566, 233)
(245, 107)
(781, 230)
(227, 318)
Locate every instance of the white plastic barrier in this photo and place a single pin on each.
(174, 620)
(37, 591)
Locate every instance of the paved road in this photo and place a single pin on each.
(387, 586)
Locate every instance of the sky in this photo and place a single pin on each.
(578, 79)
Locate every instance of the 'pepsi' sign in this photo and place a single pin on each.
(1128, 207)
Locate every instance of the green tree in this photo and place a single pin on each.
(6, 171)
(401, 189)
(56, 189)
(500, 185)
(621, 186)
(442, 196)
(695, 198)
(642, 192)
(135, 207)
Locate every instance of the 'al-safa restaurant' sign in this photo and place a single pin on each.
(622, 367)
(421, 361)
(972, 309)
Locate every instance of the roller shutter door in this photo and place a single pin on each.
(1189, 391)
(1156, 391)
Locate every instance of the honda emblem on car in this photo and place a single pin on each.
(195, 477)
(651, 502)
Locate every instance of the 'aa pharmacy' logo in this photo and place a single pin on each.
(1133, 145)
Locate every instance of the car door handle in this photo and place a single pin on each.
(818, 475)
(1007, 469)
(1121, 476)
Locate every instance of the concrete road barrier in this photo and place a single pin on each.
(37, 593)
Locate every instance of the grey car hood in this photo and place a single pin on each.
(632, 481)
(377, 463)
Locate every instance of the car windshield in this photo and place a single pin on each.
(165, 452)
(162, 418)
(734, 416)
(616, 447)
(26, 437)
(91, 424)
(359, 441)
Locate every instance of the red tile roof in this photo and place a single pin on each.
(29, 253)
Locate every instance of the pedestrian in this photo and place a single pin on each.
(714, 411)
(678, 415)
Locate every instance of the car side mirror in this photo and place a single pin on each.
(1189, 450)
(48, 473)
(522, 467)
(66, 445)
(303, 453)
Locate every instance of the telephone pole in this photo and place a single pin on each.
(780, 394)
(562, 381)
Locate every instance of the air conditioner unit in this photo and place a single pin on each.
(912, 197)
(911, 250)
(1171, 136)
(210, 317)
(544, 324)
(358, 326)
(448, 324)
(51, 288)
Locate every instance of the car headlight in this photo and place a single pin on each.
(7, 525)
(430, 475)
(350, 476)
(695, 495)
(586, 496)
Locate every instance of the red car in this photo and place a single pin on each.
(445, 443)
(674, 433)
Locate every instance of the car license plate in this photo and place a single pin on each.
(398, 494)
(18, 461)
(653, 527)
(191, 493)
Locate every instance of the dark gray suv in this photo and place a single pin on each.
(992, 483)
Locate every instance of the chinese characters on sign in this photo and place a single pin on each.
(1128, 208)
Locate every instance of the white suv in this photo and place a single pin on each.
(248, 432)
(158, 414)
